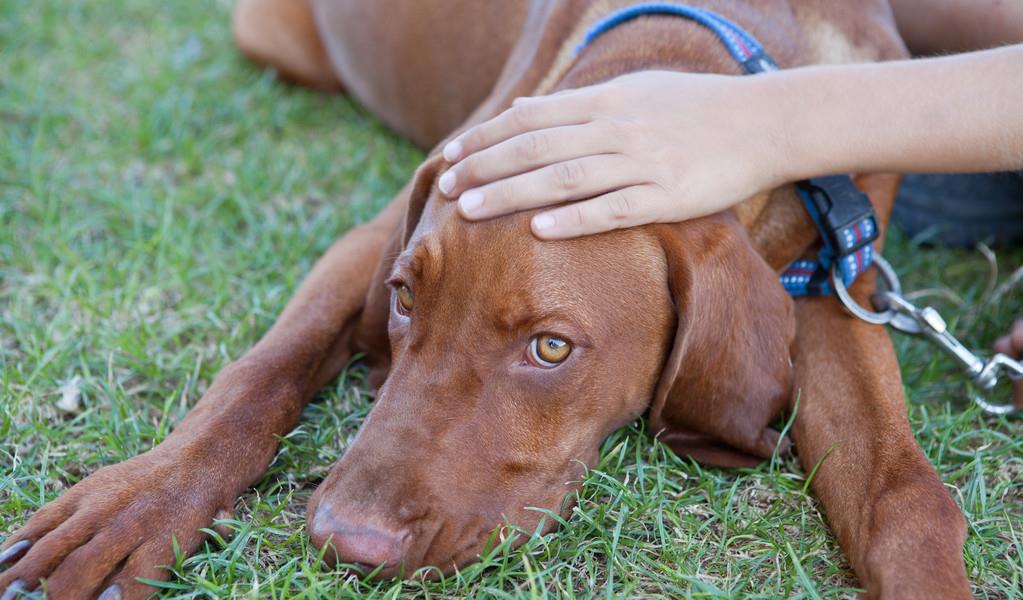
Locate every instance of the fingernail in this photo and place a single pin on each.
(446, 182)
(471, 201)
(453, 151)
(15, 551)
(16, 588)
(111, 593)
(543, 221)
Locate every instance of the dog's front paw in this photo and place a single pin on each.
(115, 526)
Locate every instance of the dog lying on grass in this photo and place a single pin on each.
(502, 362)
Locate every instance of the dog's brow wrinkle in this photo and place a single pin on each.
(427, 255)
(510, 319)
(412, 261)
(536, 319)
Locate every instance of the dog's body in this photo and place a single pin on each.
(468, 430)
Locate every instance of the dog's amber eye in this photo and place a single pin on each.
(548, 350)
(405, 300)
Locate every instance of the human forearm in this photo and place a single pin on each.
(956, 113)
(661, 146)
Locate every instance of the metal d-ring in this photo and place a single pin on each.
(891, 282)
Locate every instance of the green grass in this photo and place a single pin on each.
(159, 201)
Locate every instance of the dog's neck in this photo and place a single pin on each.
(667, 43)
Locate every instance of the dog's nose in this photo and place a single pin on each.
(350, 540)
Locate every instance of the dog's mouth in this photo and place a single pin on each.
(432, 550)
(389, 527)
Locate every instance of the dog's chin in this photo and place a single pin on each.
(431, 569)
(475, 549)
(406, 525)
(531, 522)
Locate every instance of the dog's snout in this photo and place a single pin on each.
(354, 541)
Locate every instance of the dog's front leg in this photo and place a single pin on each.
(884, 500)
(121, 522)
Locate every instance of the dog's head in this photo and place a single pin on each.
(512, 359)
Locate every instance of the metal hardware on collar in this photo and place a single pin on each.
(892, 308)
(844, 218)
(891, 280)
(841, 208)
(758, 63)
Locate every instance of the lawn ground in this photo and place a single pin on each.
(159, 201)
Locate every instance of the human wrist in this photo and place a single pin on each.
(815, 111)
(782, 151)
(922, 115)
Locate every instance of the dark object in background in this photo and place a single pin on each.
(962, 209)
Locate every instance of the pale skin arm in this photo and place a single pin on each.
(664, 146)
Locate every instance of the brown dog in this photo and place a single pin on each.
(503, 361)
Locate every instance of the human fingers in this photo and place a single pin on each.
(536, 113)
(561, 182)
(530, 151)
(626, 207)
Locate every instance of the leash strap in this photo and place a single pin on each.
(842, 213)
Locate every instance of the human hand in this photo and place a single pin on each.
(653, 146)
(1011, 344)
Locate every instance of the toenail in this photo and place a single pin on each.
(111, 593)
(15, 551)
(14, 590)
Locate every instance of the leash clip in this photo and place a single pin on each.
(895, 310)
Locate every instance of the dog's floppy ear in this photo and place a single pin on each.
(422, 183)
(729, 372)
